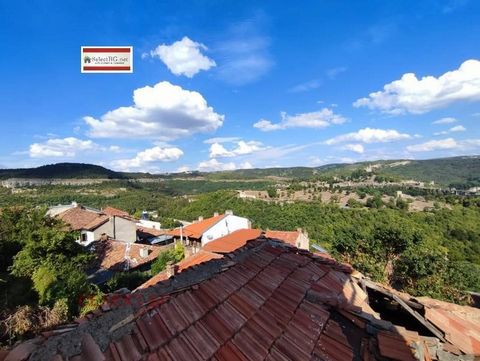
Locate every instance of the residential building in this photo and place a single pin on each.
(117, 256)
(94, 225)
(298, 238)
(239, 238)
(199, 233)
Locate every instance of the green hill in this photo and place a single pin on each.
(63, 171)
(444, 171)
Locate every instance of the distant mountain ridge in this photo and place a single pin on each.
(444, 171)
(62, 171)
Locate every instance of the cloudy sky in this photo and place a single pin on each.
(239, 84)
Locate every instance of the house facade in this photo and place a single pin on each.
(203, 231)
(94, 225)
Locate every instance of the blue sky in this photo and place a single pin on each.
(227, 84)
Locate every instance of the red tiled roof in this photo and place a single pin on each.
(79, 218)
(286, 236)
(194, 260)
(269, 301)
(460, 329)
(120, 256)
(110, 211)
(196, 230)
(232, 241)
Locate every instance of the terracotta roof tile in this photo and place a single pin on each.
(196, 230)
(110, 211)
(289, 237)
(269, 302)
(120, 256)
(194, 260)
(232, 241)
(79, 218)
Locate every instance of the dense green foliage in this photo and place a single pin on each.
(443, 171)
(425, 253)
(173, 255)
(38, 250)
(130, 280)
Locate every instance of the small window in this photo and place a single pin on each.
(83, 237)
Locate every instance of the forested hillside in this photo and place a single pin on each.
(427, 253)
(444, 171)
(62, 170)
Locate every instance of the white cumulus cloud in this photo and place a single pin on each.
(213, 165)
(147, 157)
(448, 143)
(60, 147)
(320, 119)
(370, 135)
(412, 95)
(183, 57)
(357, 148)
(221, 140)
(164, 111)
(455, 129)
(242, 148)
(446, 120)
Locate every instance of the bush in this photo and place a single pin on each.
(174, 255)
(92, 302)
(130, 280)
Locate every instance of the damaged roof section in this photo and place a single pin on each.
(265, 301)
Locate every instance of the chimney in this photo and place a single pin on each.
(170, 269)
(229, 212)
(144, 252)
(299, 230)
(249, 224)
(200, 218)
(215, 214)
(188, 251)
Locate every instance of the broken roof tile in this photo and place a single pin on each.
(267, 302)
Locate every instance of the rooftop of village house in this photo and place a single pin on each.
(266, 300)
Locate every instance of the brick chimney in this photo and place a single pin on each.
(170, 269)
(144, 252)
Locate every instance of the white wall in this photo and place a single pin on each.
(89, 235)
(303, 241)
(149, 224)
(225, 226)
(118, 228)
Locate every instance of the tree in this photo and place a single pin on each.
(374, 202)
(272, 192)
(353, 203)
(50, 257)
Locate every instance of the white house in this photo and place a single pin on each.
(199, 233)
(94, 225)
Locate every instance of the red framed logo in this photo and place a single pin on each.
(106, 59)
